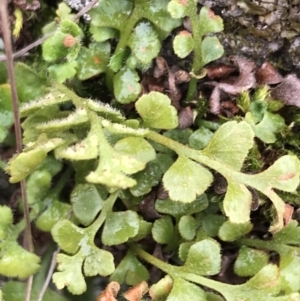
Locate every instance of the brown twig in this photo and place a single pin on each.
(42, 39)
(18, 132)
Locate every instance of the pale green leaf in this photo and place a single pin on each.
(64, 71)
(209, 22)
(204, 258)
(126, 86)
(211, 49)
(156, 110)
(185, 179)
(183, 44)
(92, 60)
(230, 144)
(16, 261)
(237, 203)
(290, 276)
(230, 231)
(119, 227)
(98, 262)
(61, 233)
(136, 147)
(102, 34)
(250, 261)
(183, 290)
(144, 42)
(179, 9)
(69, 274)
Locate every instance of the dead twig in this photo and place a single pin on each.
(18, 132)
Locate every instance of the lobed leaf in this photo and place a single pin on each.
(230, 231)
(163, 230)
(156, 110)
(183, 44)
(230, 144)
(185, 179)
(204, 258)
(119, 227)
(209, 22)
(70, 274)
(130, 270)
(211, 49)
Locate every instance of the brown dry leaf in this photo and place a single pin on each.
(245, 81)
(110, 292)
(288, 213)
(185, 118)
(147, 206)
(137, 292)
(267, 74)
(288, 91)
(219, 71)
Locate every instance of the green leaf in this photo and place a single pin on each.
(130, 271)
(230, 231)
(178, 209)
(258, 109)
(290, 234)
(93, 60)
(156, 12)
(156, 110)
(211, 49)
(179, 9)
(163, 230)
(6, 219)
(136, 147)
(16, 261)
(109, 13)
(70, 27)
(183, 289)
(183, 44)
(116, 60)
(86, 202)
(102, 34)
(30, 85)
(209, 22)
(70, 274)
(119, 227)
(150, 176)
(267, 129)
(25, 163)
(82, 150)
(211, 224)
(283, 174)
(99, 262)
(126, 86)
(237, 203)
(187, 227)
(185, 179)
(53, 48)
(290, 276)
(160, 290)
(144, 42)
(250, 261)
(200, 138)
(61, 233)
(6, 114)
(63, 71)
(57, 210)
(204, 258)
(230, 144)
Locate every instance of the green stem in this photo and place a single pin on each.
(197, 60)
(176, 272)
(122, 44)
(107, 208)
(228, 173)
